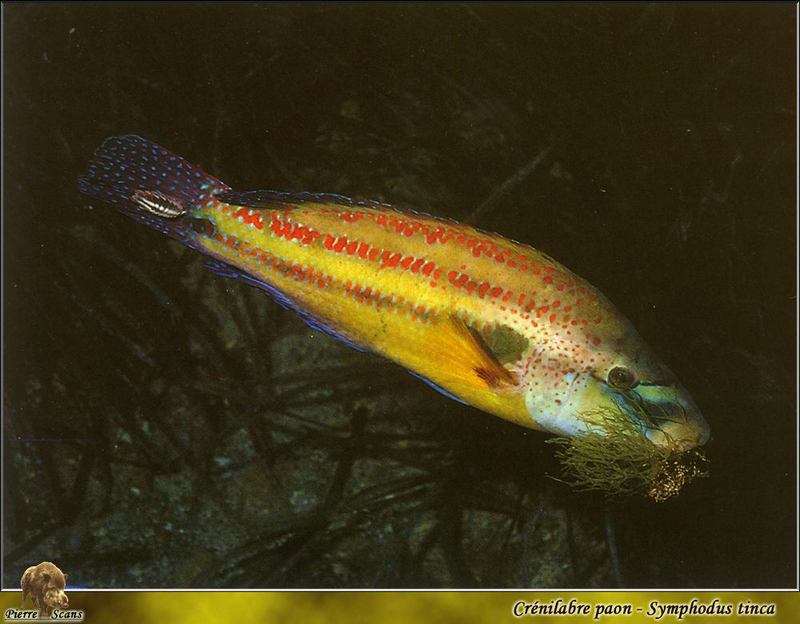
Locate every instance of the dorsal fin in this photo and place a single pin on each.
(268, 199)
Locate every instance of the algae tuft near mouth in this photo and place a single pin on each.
(617, 458)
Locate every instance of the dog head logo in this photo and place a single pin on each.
(45, 584)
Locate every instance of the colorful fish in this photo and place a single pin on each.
(487, 321)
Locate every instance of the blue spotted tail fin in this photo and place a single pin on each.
(147, 182)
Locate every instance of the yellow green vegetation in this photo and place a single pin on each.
(616, 457)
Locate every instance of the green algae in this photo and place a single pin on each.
(617, 458)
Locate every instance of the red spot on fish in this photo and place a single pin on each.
(362, 250)
(426, 270)
(482, 289)
(552, 318)
(407, 262)
(340, 243)
(351, 247)
(393, 260)
(596, 341)
(496, 291)
(548, 280)
(556, 303)
(417, 265)
(434, 236)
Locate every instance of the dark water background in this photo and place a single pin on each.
(166, 428)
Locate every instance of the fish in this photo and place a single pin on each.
(485, 320)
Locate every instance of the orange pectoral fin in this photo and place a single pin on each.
(464, 365)
(465, 359)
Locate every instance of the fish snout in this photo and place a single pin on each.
(671, 418)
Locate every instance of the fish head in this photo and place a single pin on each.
(616, 371)
(650, 395)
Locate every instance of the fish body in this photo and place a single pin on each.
(489, 321)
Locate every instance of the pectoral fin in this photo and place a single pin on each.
(465, 358)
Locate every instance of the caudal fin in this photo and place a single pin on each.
(146, 181)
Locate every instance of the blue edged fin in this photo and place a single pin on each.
(228, 271)
(268, 199)
(125, 169)
(438, 389)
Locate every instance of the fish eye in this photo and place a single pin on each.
(622, 378)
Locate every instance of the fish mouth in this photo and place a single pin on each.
(643, 440)
(667, 414)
